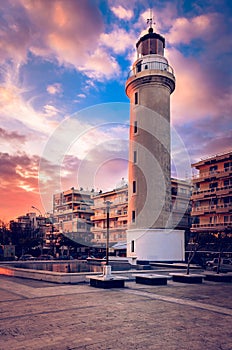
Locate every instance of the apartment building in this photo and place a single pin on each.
(212, 195)
(71, 214)
(30, 224)
(181, 192)
(117, 215)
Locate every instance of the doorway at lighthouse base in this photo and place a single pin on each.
(155, 245)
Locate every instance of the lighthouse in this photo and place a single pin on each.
(151, 81)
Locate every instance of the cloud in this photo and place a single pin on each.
(54, 89)
(195, 48)
(184, 30)
(68, 32)
(81, 95)
(13, 136)
(54, 30)
(14, 107)
(122, 13)
(15, 33)
(119, 40)
(212, 135)
(50, 111)
(100, 65)
(192, 97)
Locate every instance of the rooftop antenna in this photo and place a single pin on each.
(150, 20)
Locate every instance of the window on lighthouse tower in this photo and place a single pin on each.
(133, 216)
(134, 186)
(135, 157)
(136, 98)
(135, 127)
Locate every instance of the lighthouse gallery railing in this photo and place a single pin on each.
(150, 65)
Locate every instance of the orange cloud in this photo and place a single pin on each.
(192, 97)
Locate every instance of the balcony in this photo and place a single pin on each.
(83, 208)
(117, 202)
(211, 226)
(102, 216)
(220, 208)
(212, 191)
(150, 65)
(209, 174)
(98, 217)
(111, 229)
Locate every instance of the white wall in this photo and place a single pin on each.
(156, 244)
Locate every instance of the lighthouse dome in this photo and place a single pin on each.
(150, 43)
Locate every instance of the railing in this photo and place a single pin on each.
(211, 207)
(210, 224)
(211, 190)
(103, 216)
(113, 228)
(152, 65)
(206, 174)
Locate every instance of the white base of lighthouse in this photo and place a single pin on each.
(155, 245)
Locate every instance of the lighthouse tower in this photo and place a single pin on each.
(150, 235)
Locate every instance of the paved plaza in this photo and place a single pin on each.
(41, 315)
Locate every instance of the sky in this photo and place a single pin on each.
(64, 113)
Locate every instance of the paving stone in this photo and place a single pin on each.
(73, 317)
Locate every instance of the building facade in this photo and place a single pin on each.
(32, 225)
(72, 210)
(212, 195)
(117, 216)
(181, 192)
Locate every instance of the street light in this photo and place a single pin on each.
(107, 229)
(37, 209)
(41, 244)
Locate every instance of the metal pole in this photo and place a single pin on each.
(37, 209)
(107, 231)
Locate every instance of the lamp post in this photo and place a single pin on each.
(41, 244)
(107, 267)
(37, 209)
(107, 230)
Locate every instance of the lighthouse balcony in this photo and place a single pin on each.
(150, 65)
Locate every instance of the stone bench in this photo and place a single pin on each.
(221, 277)
(151, 279)
(101, 281)
(183, 278)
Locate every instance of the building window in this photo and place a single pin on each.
(136, 98)
(214, 201)
(135, 127)
(226, 218)
(228, 182)
(134, 186)
(132, 246)
(213, 185)
(227, 166)
(227, 200)
(139, 67)
(135, 157)
(133, 216)
(213, 169)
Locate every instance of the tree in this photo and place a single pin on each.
(5, 234)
